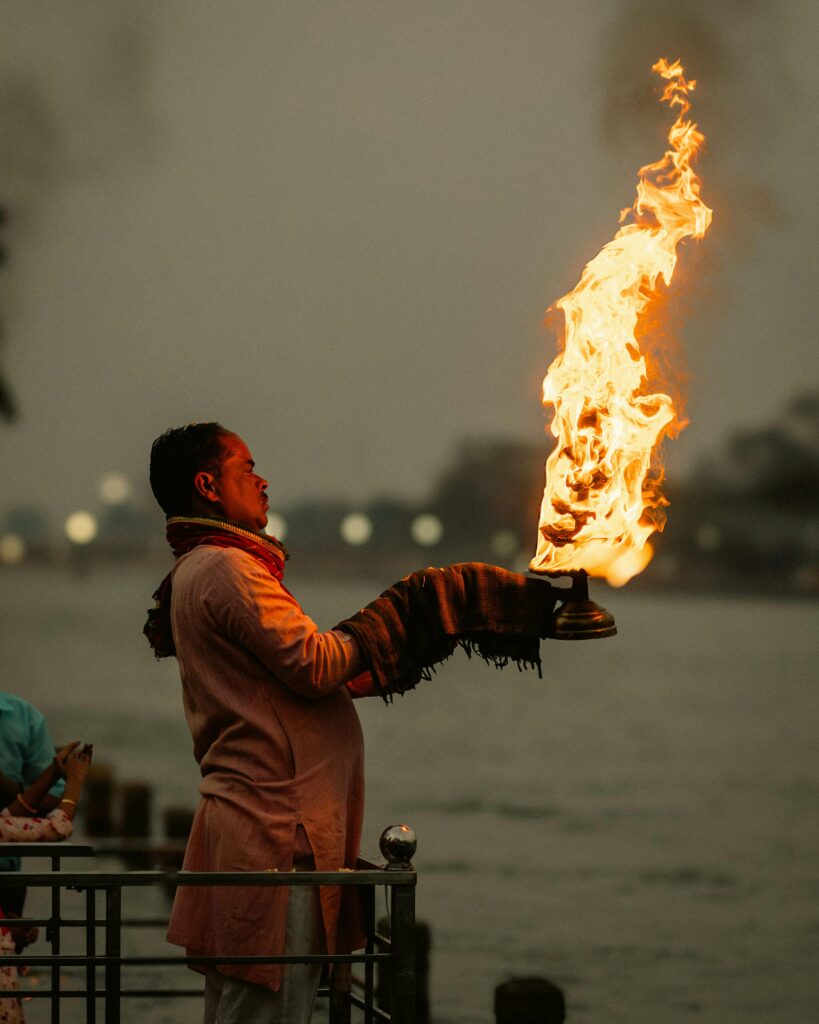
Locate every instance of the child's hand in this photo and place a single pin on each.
(63, 754)
(77, 764)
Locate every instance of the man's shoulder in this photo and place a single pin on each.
(207, 563)
(224, 580)
(211, 554)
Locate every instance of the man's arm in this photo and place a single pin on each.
(257, 611)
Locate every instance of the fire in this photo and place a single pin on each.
(603, 496)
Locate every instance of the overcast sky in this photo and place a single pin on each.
(336, 227)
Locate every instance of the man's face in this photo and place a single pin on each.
(241, 492)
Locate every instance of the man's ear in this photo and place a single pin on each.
(205, 485)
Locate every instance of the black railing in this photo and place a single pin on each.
(393, 956)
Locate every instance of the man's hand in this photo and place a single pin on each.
(362, 685)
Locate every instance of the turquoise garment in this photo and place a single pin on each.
(26, 750)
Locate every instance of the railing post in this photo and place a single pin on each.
(368, 913)
(107, 984)
(402, 913)
(340, 1006)
(398, 844)
(113, 948)
(54, 936)
(91, 952)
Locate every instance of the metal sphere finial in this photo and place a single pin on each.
(398, 845)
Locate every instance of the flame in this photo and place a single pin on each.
(602, 499)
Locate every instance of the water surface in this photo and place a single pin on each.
(640, 825)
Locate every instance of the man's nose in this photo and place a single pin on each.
(263, 483)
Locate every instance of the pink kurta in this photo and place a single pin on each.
(279, 745)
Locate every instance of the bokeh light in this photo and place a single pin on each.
(356, 528)
(427, 529)
(114, 488)
(708, 537)
(81, 527)
(504, 543)
(12, 549)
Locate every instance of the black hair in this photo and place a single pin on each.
(177, 456)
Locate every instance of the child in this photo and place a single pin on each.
(18, 825)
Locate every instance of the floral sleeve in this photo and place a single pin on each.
(55, 826)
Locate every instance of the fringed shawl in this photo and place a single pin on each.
(420, 620)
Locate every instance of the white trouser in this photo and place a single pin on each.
(233, 1001)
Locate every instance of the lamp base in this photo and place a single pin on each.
(579, 618)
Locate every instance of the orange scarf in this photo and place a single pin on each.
(184, 533)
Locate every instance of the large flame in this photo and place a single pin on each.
(602, 499)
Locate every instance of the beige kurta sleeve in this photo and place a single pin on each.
(255, 610)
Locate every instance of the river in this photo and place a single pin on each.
(639, 826)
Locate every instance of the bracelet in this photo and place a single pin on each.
(68, 800)
(27, 806)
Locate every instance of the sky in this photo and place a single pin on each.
(336, 228)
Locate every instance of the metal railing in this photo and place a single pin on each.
(395, 955)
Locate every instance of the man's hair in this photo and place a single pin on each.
(177, 456)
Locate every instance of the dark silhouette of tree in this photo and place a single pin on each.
(780, 464)
(491, 485)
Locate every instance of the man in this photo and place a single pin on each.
(273, 725)
(268, 699)
(26, 750)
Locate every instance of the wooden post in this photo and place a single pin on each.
(97, 800)
(135, 810)
(529, 1001)
(177, 822)
(135, 821)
